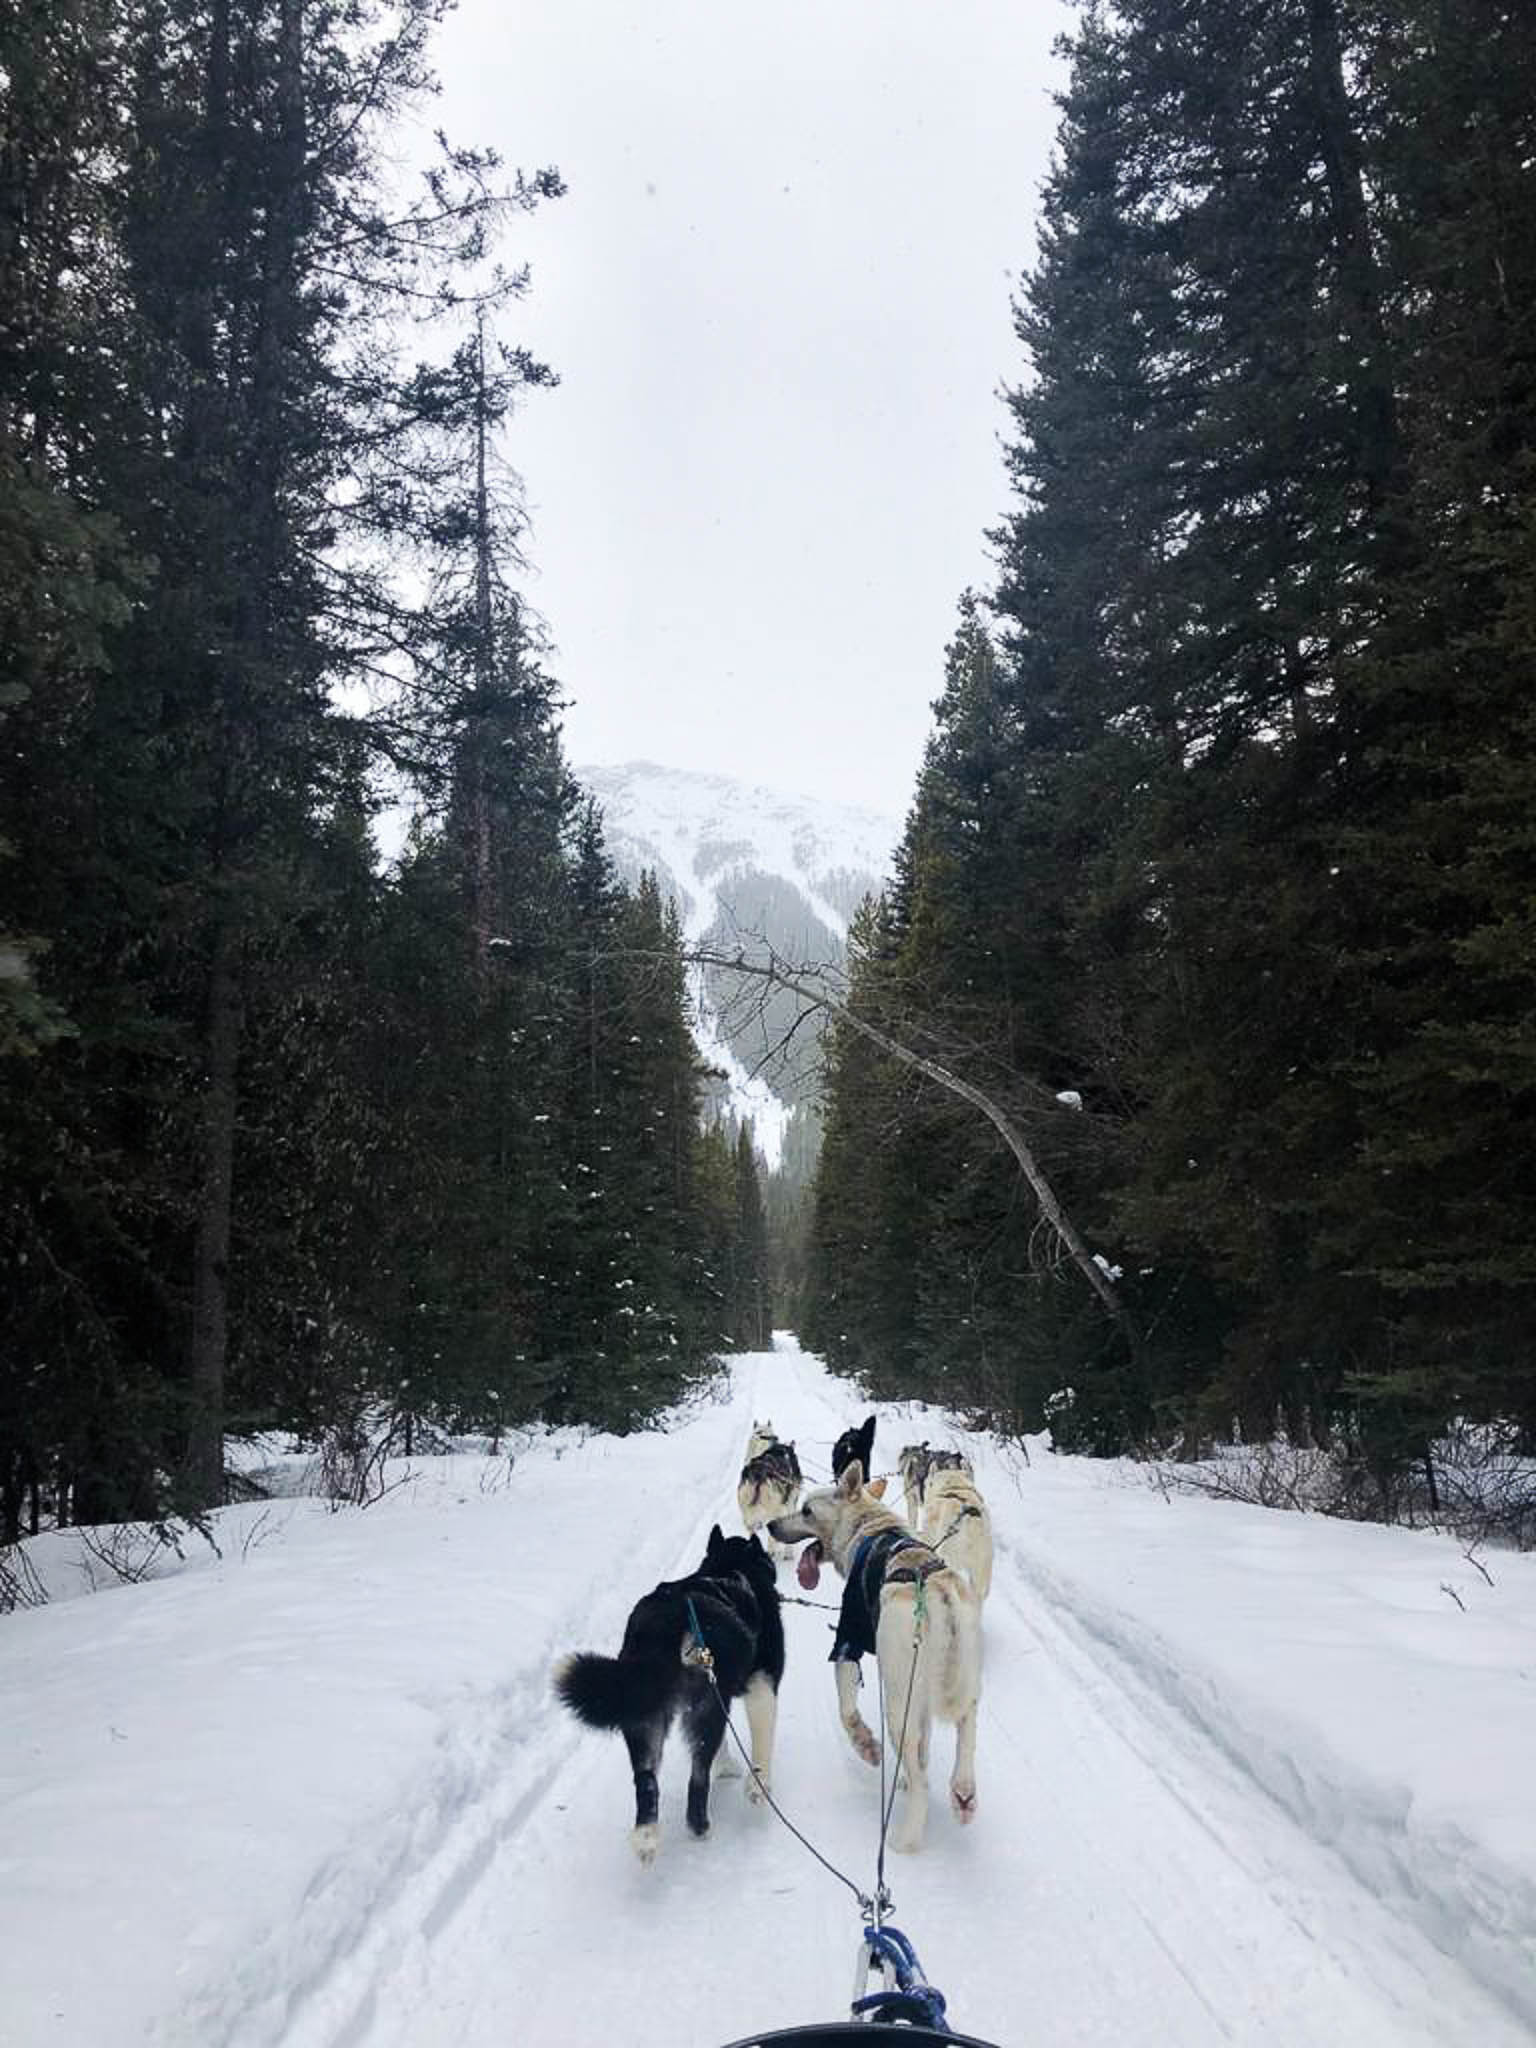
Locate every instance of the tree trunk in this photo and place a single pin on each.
(254, 651)
(482, 910)
(209, 1344)
(1369, 371)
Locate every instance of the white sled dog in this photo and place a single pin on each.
(956, 1523)
(770, 1483)
(920, 1617)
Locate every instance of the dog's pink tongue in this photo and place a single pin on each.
(808, 1570)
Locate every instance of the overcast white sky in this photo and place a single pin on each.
(777, 297)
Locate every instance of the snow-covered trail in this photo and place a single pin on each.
(1244, 1777)
(1123, 1884)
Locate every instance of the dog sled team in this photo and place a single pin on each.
(913, 1590)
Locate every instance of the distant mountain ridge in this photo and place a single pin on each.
(741, 861)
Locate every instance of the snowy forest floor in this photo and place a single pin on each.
(1244, 1777)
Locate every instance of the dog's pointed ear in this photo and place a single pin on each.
(716, 1541)
(851, 1485)
(756, 1545)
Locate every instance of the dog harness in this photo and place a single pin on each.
(927, 1461)
(778, 1463)
(869, 1569)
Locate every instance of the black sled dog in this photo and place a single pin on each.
(855, 1446)
(733, 1602)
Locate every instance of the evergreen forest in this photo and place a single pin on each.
(1220, 874)
(1217, 892)
(291, 1136)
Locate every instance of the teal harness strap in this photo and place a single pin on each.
(699, 1654)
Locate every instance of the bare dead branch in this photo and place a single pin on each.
(776, 973)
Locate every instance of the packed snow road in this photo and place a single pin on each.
(1122, 1885)
(333, 1803)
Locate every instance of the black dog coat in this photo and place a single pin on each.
(868, 1569)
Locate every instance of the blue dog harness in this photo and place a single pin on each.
(868, 1569)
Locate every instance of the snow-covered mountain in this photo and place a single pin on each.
(743, 862)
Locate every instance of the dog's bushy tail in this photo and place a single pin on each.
(608, 1692)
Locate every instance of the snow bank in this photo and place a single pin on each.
(215, 1785)
(1330, 1665)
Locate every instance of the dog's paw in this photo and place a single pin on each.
(865, 1743)
(908, 1844)
(645, 1841)
(699, 1830)
(758, 1788)
(962, 1799)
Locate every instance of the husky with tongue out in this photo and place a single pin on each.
(902, 1602)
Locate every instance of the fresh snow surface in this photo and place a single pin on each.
(1244, 1777)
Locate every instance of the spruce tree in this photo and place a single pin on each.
(753, 1308)
(176, 467)
(1221, 841)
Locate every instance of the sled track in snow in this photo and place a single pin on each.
(1147, 1865)
(1183, 1728)
(370, 1912)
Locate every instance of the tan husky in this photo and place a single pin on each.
(922, 1620)
(956, 1523)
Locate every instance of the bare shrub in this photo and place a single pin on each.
(354, 1451)
(1473, 1483)
(262, 1530)
(129, 1551)
(1278, 1474)
(496, 1473)
(20, 1585)
(1485, 1486)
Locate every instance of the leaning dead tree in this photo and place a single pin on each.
(770, 970)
